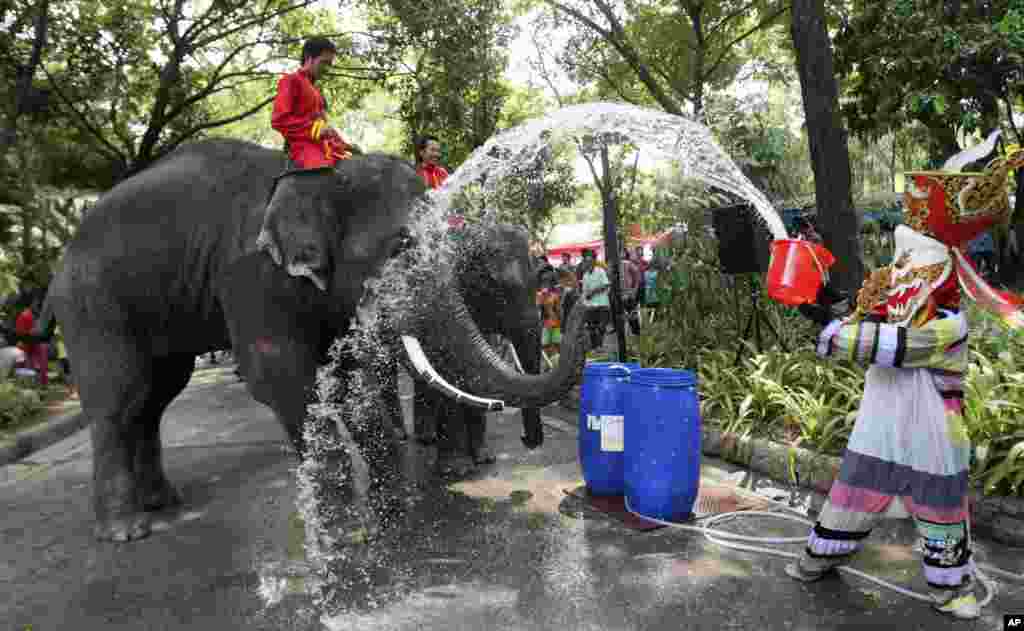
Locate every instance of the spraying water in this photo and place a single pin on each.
(659, 136)
(350, 488)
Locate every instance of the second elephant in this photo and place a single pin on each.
(498, 284)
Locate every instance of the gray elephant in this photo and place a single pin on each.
(193, 255)
(498, 284)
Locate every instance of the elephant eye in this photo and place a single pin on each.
(402, 242)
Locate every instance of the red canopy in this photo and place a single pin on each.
(554, 254)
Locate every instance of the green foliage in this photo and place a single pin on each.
(453, 53)
(663, 53)
(531, 193)
(795, 397)
(952, 67)
(18, 405)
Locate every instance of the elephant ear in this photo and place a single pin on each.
(296, 224)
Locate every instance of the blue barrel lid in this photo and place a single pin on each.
(663, 377)
(601, 369)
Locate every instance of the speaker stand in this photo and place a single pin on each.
(754, 321)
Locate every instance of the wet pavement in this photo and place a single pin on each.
(506, 550)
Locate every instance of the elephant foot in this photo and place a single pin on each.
(484, 456)
(163, 496)
(122, 529)
(455, 465)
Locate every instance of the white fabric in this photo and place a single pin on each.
(902, 419)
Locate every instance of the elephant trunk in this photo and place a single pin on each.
(487, 374)
(525, 340)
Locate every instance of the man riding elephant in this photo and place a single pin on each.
(300, 111)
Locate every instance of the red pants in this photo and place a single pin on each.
(312, 154)
(38, 359)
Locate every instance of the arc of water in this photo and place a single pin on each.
(665, 136)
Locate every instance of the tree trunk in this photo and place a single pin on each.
(830, 156)
(1011, 269)
(23, 89)
(611, 252)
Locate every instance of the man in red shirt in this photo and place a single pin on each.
(428, 152)
(300, 112)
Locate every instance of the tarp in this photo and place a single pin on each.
(597, 245)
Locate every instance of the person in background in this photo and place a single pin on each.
(594, 294)
(428, 156)
(569, 291)
(10, 356)
(544, 268)
(549, 298)
(300, 111)
(642, 265)
(806, 230)
(567, 263)
(630, 281)
(652, 292)
(37, 353)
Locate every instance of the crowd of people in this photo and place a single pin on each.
(588, 284)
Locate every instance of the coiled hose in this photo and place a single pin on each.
(726, 539)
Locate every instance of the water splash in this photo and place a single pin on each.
(349, 488)
(660, 136)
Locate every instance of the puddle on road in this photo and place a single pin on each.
(434, 606)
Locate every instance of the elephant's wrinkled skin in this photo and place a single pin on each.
(191, 256)
(498, 285)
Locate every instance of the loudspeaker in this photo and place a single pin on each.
(742, 247)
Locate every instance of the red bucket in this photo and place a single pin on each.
(797, 271)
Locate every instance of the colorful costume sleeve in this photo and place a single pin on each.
(941, 343)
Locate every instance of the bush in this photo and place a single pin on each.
(18, 405)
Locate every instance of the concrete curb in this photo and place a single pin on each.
(30, 441)
(1000, 518)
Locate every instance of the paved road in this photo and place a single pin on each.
(507, 550)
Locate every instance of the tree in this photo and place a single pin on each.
(135, 79)
(961, 71)
(530, 194)
(666, 53)
(830, 156)
(27, 98)
(448, 57)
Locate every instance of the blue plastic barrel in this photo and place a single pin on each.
(662, 462)
(602, 414)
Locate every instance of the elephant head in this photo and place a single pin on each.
(338, 227)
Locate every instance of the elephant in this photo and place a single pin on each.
(498, 284)
(219, 246)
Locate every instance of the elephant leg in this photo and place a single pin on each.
(170, 376)
(115, 383)
(454, 456)
(387, 374)
(476, 435)
(425, 412)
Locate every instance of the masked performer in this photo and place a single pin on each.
(909, 444)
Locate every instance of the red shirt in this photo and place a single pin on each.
(23, 326)
(433, 175)
(297, 107)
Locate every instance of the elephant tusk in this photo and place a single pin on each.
(426, 371)
(515, 357)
